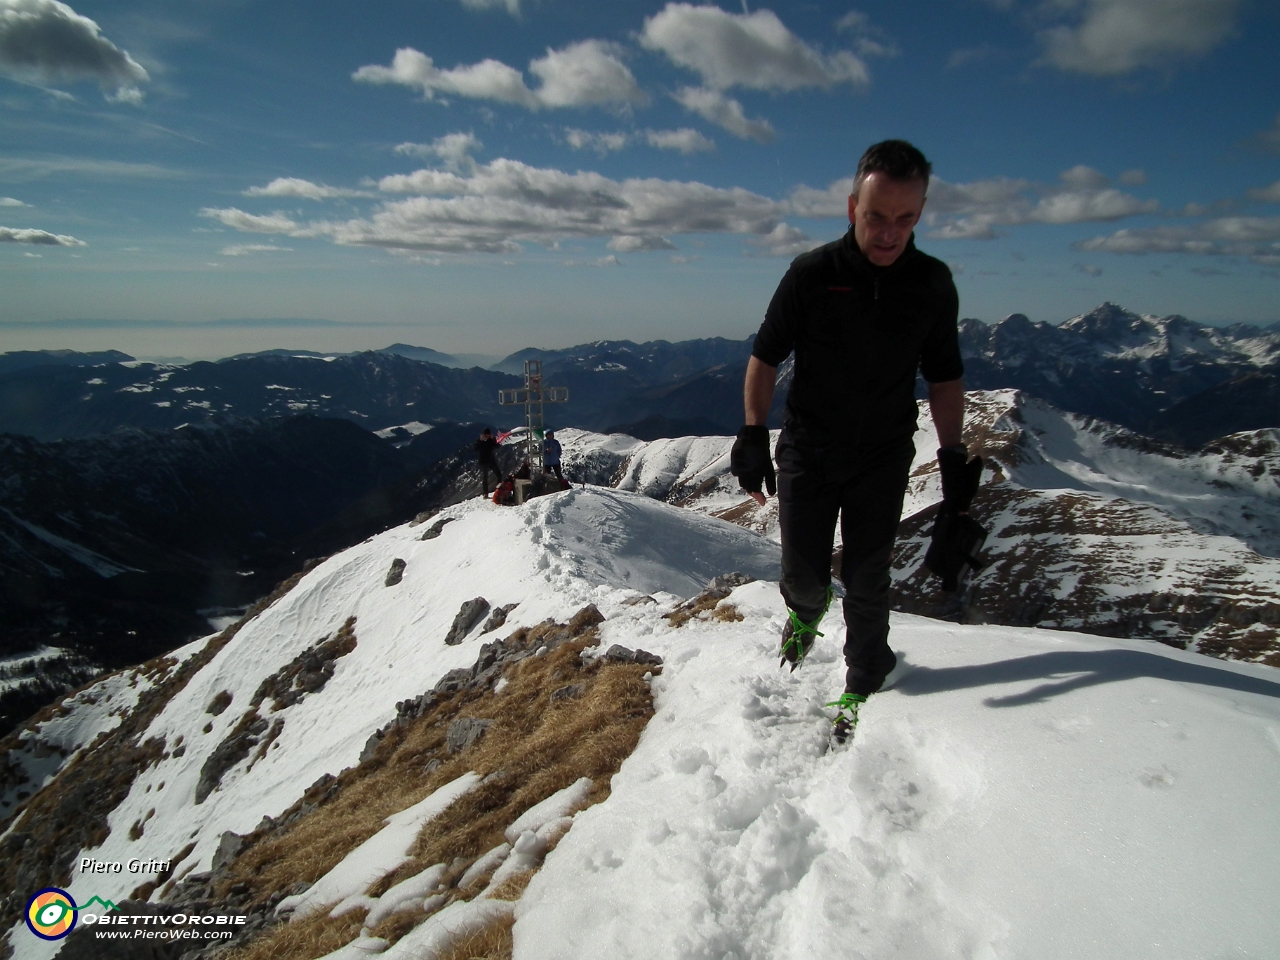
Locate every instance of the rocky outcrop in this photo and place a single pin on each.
(468, 616)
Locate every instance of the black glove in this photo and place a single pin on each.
(956, 539)
(751, 462)
(959, 479)
(955, 543)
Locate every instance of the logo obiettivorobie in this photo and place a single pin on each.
(51, 913)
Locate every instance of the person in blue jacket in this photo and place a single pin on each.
(551, 455)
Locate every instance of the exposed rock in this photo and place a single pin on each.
(242, 739)
(455, 679)
(396, 573)
(433, 531)
(229, 847)
(467, 617)
(570, 692)
(498, 618)
(371, 746)
(620, 654)
(465, 731)
(219, 703)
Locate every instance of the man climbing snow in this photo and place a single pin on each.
(861, 315)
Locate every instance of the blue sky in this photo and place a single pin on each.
(484, 175)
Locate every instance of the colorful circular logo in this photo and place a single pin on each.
(51, 914)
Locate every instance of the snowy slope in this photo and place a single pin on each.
(1016, 793)
(551, 557)
(1093, 527)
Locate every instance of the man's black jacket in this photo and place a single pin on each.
(486, 449)
(859, 333)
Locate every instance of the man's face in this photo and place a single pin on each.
(883, 213)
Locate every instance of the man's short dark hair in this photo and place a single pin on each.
(896, 159)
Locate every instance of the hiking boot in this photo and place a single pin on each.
(846, 716)
(798, 636)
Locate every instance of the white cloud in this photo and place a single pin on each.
(714, 107)
(588, 73)
(497, 207)
(831, 202)
(1269, 194)
(869, 40)
(251, 223)
(1133, 178)
(601, 143)
(752, 50)
(974, 211)
(47, 42)
(246, 249)
(302, 190)
(511, 6)
(454, 149)
(1114, 37)
(686, 140)
(11, 202)
(640, 244)
(786, 241)
(40, 238)
(24, 168)
(1088, 268)
(1081, 177)
(1254, 237)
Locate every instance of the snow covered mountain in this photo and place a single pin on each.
(1130, 369)
(1092, 527)
(338, 772)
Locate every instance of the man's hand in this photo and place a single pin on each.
(956, 537)
(751, 462)
(960, 477)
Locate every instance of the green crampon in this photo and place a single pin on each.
(798, 637)
(846, 715)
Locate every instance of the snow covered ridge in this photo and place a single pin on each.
(239, 726)
(1093, 527)
(1014, 793)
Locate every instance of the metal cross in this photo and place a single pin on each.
(533, 395)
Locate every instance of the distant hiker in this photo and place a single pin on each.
(486, 452)
(861, 315)
(551, 455)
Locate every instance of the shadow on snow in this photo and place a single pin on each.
(1073, 670)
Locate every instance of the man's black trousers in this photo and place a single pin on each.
(868, 500)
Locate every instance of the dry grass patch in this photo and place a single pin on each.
(494, 942)
(726, 613)
(513, 887)
(312, 937)
(533, 748)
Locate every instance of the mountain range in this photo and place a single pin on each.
(1165, 377)
(116, 548)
